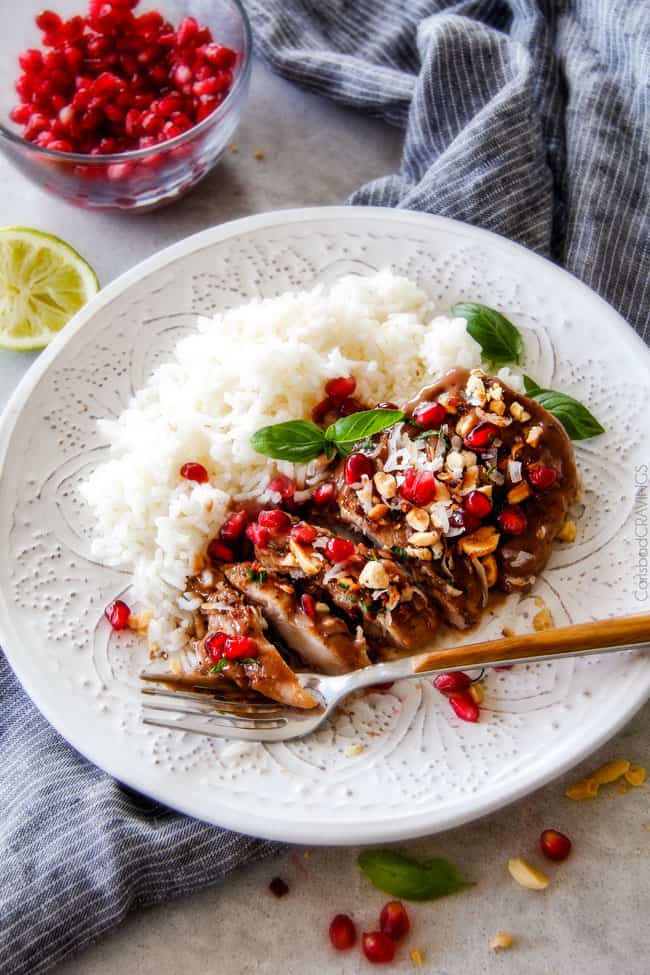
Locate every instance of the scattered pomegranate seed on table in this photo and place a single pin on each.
(378, 947)
(343, 933)
(356, 465)
(339, 549)
(278, 887)
(394, 920)
(112, 81)
(117, 613)
(194, 472)
(555, 845)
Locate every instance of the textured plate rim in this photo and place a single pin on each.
(310, 830)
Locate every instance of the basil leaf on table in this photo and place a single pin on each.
(409, 880)
(500, 341)
(576, 419)
(296, 440)
(358, 426)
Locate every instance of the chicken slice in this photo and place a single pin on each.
(266, 672)
(323, 642)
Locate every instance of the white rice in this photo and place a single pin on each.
(261, 363)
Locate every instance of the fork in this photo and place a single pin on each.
(201, 710)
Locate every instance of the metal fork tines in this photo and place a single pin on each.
(203, 711)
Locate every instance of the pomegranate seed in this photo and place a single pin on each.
(339, 549)
(339, 389)
(258, 535)
(219, 57)
(303, 534)
(237, 647)
(481, 437)
(275, 519)
(187, 31)
(194, 472)
(343, 933)
(394, 920)
(464, 707)
(349, 406)
(234, 526)
(283, 485)
(555, 845)
(48, 21)
(278, 887)
(464, 519)
(431, 416)
(452, 682)
(20, 114)
(321, 409)
(418, 487)
(308, 605)
(512, 520)
(356, 465)
(478, 504)
(30, 60)
(541, 477)
(220, 552)
(324, 493)
(378, 947)
(117, 613)
(182, 75)
(60, 145)
(214, 645)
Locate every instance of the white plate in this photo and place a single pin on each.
(420, 769)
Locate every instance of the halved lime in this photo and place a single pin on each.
(43, 282)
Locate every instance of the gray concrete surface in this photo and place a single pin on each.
(593, 917)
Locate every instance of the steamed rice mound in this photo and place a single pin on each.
(261, 363)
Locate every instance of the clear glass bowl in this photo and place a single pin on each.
(145, 178)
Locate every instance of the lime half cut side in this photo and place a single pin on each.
(43, 282)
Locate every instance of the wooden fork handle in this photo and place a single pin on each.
(566, 640)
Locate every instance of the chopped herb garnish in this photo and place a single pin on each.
(261, 577)
(342, 585)
(256, 575)
(251, 575)
(366, 607)
(249, 660)
(400, 552)
(366, 444)
(218, 667)
(373, 556)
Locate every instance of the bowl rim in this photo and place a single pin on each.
(129, 155)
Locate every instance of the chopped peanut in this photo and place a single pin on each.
(385, 484)
(526, 875)
(611, 771)
(518, 412)
(374, 576)
(424, 554)
(417, 957)
(491, 571)
(308, 563)
(465, 424)
(423, 539)
(497, 406)
(449, 401)
(533, 435)
(501, 940)
(475, 388)
(378, 511)
(495, 391)
(586, 789)
(475, 691)
(479, 543)
(636, 775)
(568, 531)
(418, 519)
(543, 620)
(519, 493)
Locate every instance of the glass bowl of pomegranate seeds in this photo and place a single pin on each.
(118, 105)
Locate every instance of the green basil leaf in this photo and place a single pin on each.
(576, 419)
(358, 426)
(219, 666)
(531, 386)
(500, 341)
(409, 880)
(296, 440)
